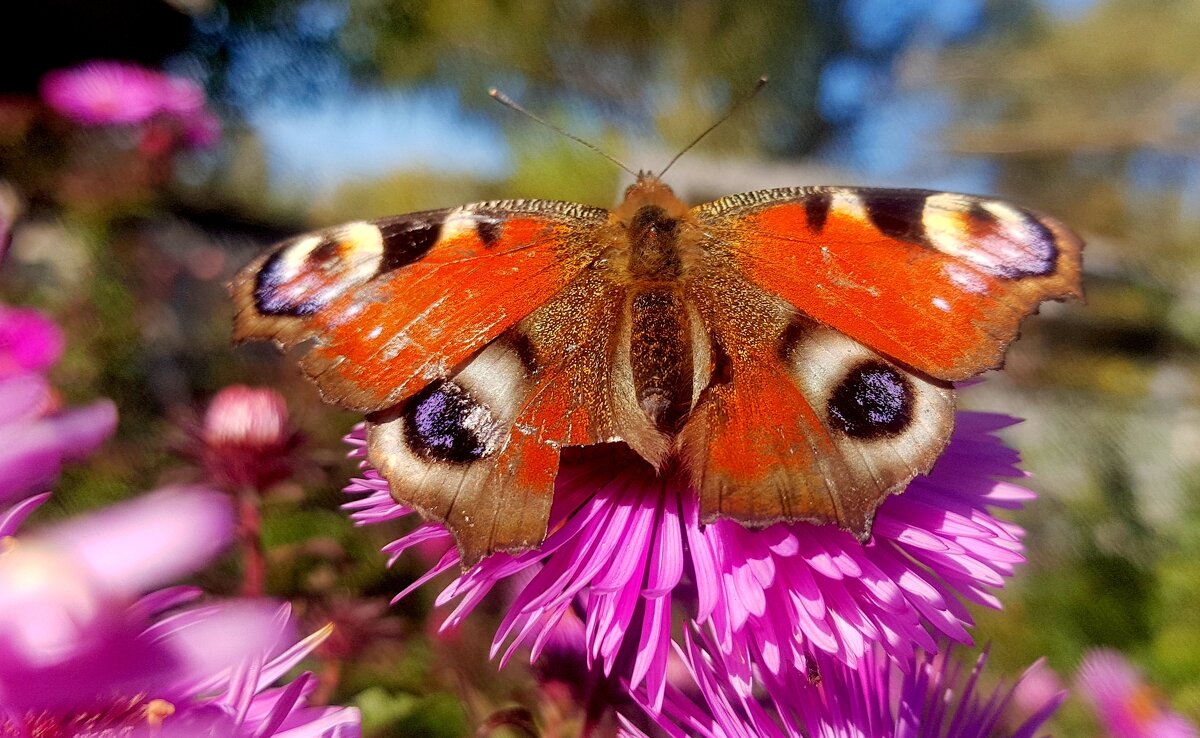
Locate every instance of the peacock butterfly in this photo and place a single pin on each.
(792, 350)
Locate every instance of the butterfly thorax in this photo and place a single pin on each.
(653, 252)
(654, 231)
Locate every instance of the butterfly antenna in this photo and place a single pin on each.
(507, 101)
(728, 113)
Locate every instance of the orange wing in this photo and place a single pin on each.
(934, 280)
(479, 451)
(801, 422)
(392, 305)
(839, 316)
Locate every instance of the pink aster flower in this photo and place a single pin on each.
(112, 92)
(1126, 706)
(29, 341)
(36, 438)
(245, 446)
(201, 672)
(82, 649)
(627, 549)
(935, 697)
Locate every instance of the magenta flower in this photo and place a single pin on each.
(35, 438)
(626, 549)
(1126, 706)
(113, 92)
(934, 697)
(29, 341)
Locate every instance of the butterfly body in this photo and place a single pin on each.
(790, 352)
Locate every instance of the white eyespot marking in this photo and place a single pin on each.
(460, 223)
(308, 274)
(497, 378)
(966, 278)
(360, 248)
(997, 238)
(847, 204)
(449, 434)
(292, 259)
(941, 304)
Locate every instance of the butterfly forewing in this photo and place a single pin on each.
(937, 281)
(393, 305)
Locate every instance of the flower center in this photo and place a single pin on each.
(1143, 705)
(117, 719)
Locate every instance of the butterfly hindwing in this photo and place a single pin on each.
(937, 281)
(479, 451)
(801, 422)
(392, 305)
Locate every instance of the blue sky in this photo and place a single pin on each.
(317, 146)
(347, 133)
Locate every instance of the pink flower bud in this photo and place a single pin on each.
(246, 438)
(246, 416)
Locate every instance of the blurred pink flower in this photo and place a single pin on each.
(113, 92)
(246, 416)
(1126, 706)
(29, 341)
(245, 439)
(63, 590)
(626, 549)
(36, 439)
(81, 648)
(932, 697)
(199, 672)
(1036, 687)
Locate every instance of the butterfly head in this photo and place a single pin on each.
(648, 191)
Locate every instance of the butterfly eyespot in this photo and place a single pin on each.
(995, 238)
(873, 400)
(269, 297)
(445, 423)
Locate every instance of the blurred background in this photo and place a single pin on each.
(127, 228)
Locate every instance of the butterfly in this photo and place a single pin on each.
(792, 352)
